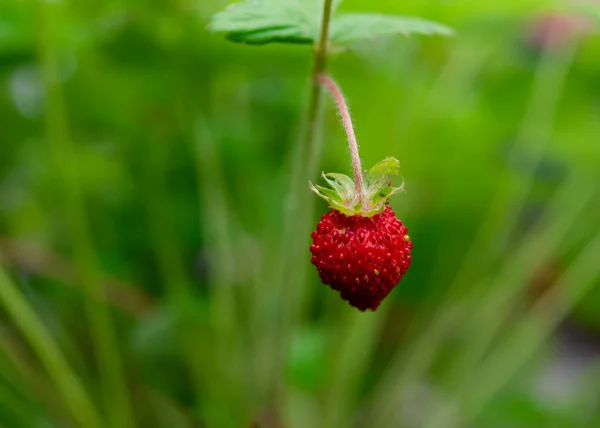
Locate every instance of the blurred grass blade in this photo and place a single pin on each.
(535, 132)
(352, 350)
(485, 312)
(454, 83)
(19, 370)
(586, 396)
(542, 319)
(224, 375)
(11, 403)
(13, 368)
(534, 135)
(43, 263)
(49, 354)
(63, 154)
(489, 313)
(166, 250)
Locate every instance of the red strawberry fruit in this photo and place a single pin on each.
(360, 248)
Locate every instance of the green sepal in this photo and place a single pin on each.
(381, 174)
(327, 194)
(377, 191)
(343, 185)
(333, 198)
(379, 183)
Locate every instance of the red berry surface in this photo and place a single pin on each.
(363, 258)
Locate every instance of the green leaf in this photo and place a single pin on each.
(271, 35)
(260, 22)
(353, 27)
(265, 21)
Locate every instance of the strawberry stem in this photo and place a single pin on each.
(330, 84)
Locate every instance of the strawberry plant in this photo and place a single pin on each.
(360, 248)
(158, 267)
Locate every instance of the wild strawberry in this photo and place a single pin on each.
(360, 248)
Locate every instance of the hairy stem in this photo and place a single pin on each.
(330, 84)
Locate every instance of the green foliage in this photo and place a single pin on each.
(179, 154)
(260, 22)
(355, 27)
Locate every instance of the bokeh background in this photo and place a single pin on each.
(148, 274)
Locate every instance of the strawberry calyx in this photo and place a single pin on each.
(371, 199)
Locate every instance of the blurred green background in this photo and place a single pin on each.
(144, 191)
